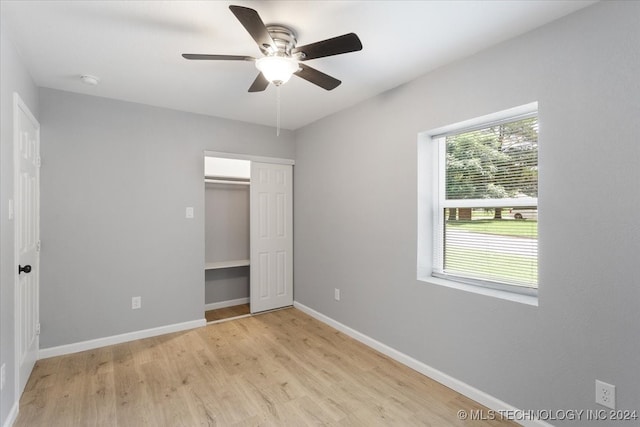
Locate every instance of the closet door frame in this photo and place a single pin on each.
(261, 159)
(258, 159)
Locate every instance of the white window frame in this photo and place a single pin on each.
(431, 208)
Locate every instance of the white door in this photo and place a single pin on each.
(271, 222)
(27, 239)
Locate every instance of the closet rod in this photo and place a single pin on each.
(225, 181)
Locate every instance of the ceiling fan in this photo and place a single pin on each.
(282, 57)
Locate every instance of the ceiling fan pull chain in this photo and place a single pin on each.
(278, 110)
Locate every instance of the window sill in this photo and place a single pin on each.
(495, 293)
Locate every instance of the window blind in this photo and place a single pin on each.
(487, 228)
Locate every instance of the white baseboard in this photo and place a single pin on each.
(224, 304)
(13, 415)
(439, 376)
(117, 339)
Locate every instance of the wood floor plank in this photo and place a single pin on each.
(306, 411)
(227, 312)
(281, 368)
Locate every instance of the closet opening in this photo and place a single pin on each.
(227, 239)
(248, 222)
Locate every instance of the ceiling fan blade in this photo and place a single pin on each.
(252, 22)
(316, 77)
(218, 57)
(259, 84)
(335, 46)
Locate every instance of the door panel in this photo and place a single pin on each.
(271, 236)
(27, 216)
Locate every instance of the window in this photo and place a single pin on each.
(486, 212)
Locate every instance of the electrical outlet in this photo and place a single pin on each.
(336, 294)
(136, 303)
(3, 375)
(606, 394)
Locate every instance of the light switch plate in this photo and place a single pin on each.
(189, 212)
(3, 375)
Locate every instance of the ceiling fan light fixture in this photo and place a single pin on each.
(277, 69)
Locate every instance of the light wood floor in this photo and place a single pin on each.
(282, 368)
(227, 312)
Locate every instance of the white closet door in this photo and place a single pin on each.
(271, 221)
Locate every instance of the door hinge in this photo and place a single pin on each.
(38, 161)
(38, 246)
(37, 328)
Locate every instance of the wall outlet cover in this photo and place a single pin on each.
(136, 302)
(606, 394)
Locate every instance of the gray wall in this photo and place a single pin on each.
(116, 178)
(356, 202)
(14, 77)
(226, 238)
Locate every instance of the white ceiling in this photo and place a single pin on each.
(135, 47)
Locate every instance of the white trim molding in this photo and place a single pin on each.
(224, 304)
(118, 339)
(461, 387)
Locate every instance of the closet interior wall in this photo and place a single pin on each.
(226, 239)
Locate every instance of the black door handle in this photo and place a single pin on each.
(25, 269)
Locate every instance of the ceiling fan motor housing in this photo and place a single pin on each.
(284, 39)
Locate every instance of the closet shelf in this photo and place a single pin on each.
(226, 264)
